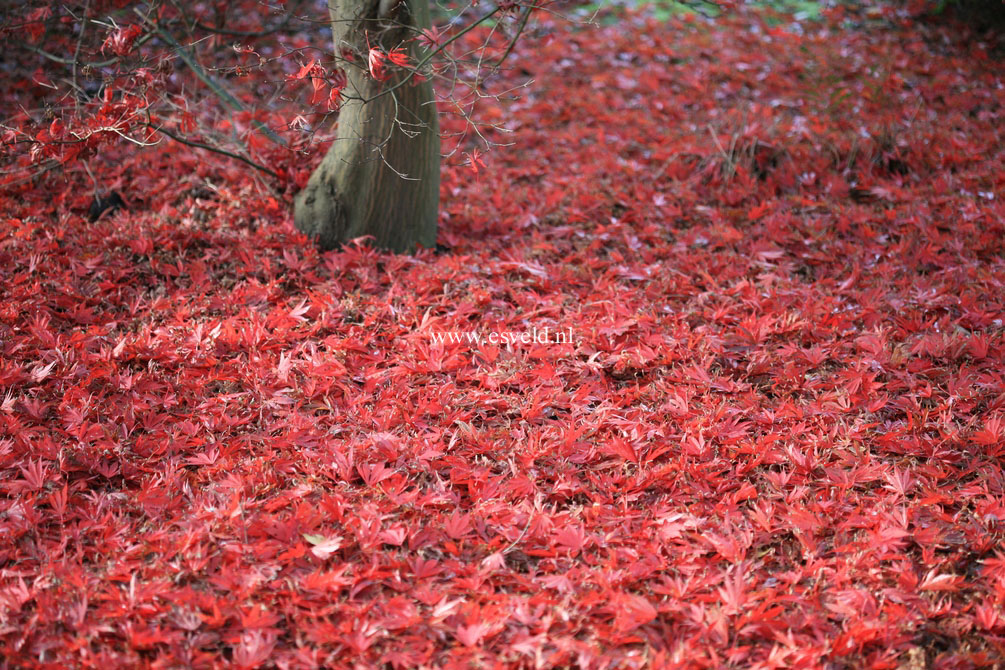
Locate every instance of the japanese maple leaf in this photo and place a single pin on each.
(733, 592)
(206, 458)
(430, 38)
(425, 567)
(373, 474)
(994, 566)
(318, 87)
(324, 546)
(394, 536)
(254, 649)
(58, 500)
(303, 71)
(398, 56)
(986, 616)
(457, 525)
(990, 434)
(631, 611)
(470, 635)
(474, 160)
(362, 637)
(888, 538)
(572, 538)
(899, 481)
(33, 476)
(121, 40)
(320, 81)
(937, 582)
(375, 61)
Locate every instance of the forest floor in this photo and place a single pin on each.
(775, 439)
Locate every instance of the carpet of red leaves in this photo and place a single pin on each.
(776, 440)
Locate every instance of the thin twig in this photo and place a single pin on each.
(71, 61)
(203, 76)
(519, 31)
(512, 545)
(76, 53)
(218, 150)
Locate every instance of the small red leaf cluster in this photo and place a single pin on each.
(320, 80)
(775, 439)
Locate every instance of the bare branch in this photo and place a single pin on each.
(519, 31)
(205, 78)
(218, 150)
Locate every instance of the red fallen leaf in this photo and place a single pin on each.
(759, 210)
(733, 592)
(59, 500)
(293, 553)
(147, 637)
(323, 547)
(423, 568)
(617, 446)
(572, 538)
(457, 525)
(373, 474)
(899, 481)
(326, 581)
(33, 475)
(728, 234)
(494, 561)
(992, 433)
(979, 346)
(254, 649)
(394, 536)
(987, 617)
(401, 614)
(445, 608)
(258, 617)
(386, 445)
(632, 611)
(35, 408)
(994, 566)
(745, 492)
(16, 595)
(889, 538)
(209, 457)
(937, 582)
(878, 403)
(560, 583)
(470, 636)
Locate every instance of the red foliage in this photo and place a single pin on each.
(775, 440)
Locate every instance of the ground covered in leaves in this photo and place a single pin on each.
(776, 439)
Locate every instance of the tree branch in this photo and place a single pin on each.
(204, 76)
(519, 31)
(218, 150)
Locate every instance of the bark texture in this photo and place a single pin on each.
(381, 176)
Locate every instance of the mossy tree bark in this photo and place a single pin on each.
(381, 176)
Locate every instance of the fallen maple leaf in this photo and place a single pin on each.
(323, 546)
(631, 611)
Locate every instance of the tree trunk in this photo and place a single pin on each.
(381, 176)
